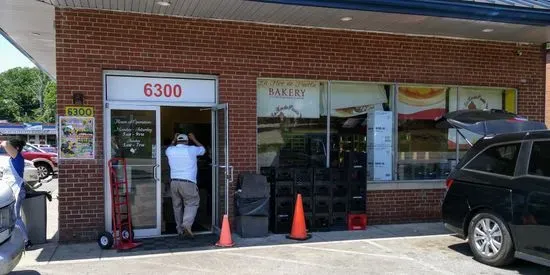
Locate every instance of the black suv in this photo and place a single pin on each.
(498, 196)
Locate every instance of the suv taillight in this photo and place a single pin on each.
(448, 183)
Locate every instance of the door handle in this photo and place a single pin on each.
(155, 172)
(231, 169)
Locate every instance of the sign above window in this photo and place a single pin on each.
(160, 89)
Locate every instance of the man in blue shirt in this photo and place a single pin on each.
(17, 165)
(182, 159)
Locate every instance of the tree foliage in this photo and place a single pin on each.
(27, 95)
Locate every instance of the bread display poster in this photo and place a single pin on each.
(421, 103)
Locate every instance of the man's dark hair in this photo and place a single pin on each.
(17, 144)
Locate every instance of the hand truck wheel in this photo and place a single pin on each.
(126, 234)
(105, 240)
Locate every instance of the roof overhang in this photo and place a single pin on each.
(30, 23)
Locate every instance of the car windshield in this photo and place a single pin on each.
(29, 148)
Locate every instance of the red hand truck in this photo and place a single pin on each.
(123, 235)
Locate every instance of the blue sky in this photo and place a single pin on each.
(11, 57)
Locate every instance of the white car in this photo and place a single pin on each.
(30, 174)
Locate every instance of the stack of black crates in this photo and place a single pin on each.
(328, 196)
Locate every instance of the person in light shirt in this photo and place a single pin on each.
(182, 159)
(14, 177)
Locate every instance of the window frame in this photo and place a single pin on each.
(528, 155)
(517, 167)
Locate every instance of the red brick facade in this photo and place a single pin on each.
(88, 42)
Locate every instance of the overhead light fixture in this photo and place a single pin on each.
(487, 30)
(163, 3)
(35, 33)
(346, 19)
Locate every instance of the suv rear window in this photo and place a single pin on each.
(540, 159)
(497, 160)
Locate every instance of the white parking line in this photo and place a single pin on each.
(357, 253)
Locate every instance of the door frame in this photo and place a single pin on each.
(139, 233)
(159, 105)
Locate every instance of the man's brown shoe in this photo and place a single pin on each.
(187, 232)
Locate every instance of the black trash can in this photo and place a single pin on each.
(252, 206)
(34, 215)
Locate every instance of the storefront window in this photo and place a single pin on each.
(361, 128)
(292, 123)
(398, 142)
(423, 150)
(472, 98)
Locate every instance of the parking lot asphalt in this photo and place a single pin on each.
(422, 254)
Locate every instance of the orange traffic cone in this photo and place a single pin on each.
(299, 231)
(225, 236)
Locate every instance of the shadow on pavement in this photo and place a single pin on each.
(25, 272)
(519, 266)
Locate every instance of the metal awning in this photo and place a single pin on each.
(30, 23)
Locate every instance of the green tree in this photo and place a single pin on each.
(27, 95)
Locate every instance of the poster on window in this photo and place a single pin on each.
(421, 103)
(76, 139)
(289, 98)
(353, 99)
(472, 99)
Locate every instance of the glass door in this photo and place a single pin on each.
(223, 171)
(133, 134)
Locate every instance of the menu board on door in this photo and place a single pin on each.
(76, 137)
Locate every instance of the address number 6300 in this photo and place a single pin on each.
(158, 90)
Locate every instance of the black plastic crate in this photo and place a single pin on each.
(340, 205)
(321, 174)
(321, 222)
(307, 203)
(339, 221)
(284, 174)
(357, 175)
(338, 175)
(322, 205)
(322, 188)
(284, 206)
(303, 176)
(305, 189)
(309, 221)
(357, 204)
(357, 189)
(280, 224)
(340, 190)
(284, 189)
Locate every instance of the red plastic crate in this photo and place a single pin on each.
(357, 221)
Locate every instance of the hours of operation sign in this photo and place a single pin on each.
(160, 89)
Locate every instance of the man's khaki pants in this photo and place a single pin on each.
(184, 194)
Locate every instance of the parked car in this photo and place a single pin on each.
(46, 163)
(498, 196)
(12, 244)
(46, 148)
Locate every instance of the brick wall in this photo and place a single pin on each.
(88, 42)
(401, 206)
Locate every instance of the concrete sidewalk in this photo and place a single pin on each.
(407, 249)
(67, 253)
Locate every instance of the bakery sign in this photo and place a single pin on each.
(289, 98)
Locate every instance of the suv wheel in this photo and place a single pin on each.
(44, 170)
(490, 240)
